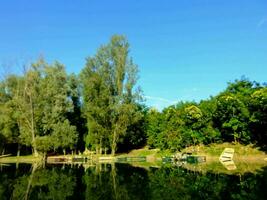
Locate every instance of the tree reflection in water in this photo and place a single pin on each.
(123, 181)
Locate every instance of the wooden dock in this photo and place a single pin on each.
(66, 159)
(131, 159)
(95, 159)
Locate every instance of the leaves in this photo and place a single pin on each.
(110, 102)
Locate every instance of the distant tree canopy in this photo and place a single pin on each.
(46, 110)
(237, 114)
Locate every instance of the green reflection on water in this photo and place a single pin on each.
(124, 181)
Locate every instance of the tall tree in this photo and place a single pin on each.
(42, 105)
(109, 80)
(56, 105)
(26, 102)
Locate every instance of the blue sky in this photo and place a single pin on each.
(185, 49)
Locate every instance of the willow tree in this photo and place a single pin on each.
(109, 94)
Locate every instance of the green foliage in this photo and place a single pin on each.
(232, 117)
(44, 184)
(154, 123)
(179, 126)
(110, 102)
(34, 108)
(75, 116)
(43, 143)
(258, 119)
(64, 135)
(47, 110)
(237, 114)
(9, 130)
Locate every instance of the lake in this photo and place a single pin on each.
(124, 181)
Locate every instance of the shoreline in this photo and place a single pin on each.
(248, 154)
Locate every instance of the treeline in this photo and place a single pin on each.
(238, 114)
(46, 110)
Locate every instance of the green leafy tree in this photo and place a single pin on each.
(232, 117)
(258, 120)
(9, 131)
(154, 128)
(41, 106)
(56, 105)
(109, 98)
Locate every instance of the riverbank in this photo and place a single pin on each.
(248, 154)
(247, 158)
(21, 159)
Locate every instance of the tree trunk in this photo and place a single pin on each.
(114, 143)
(100, 148)
(32, 128)
(96, 150)
(18, 152)
(27, 193)
(114, 181)
(44, 157)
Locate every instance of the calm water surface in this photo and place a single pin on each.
(123, 181)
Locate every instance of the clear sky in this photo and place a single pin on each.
(185, 49)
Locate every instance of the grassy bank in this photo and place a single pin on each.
(21, 159)
(248, 153)
(246, 158)
(212, 152)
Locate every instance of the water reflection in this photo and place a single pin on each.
(123, 181)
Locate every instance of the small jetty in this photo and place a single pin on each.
(68, 159)
(95, 159)
(181, 158)
(131, 159)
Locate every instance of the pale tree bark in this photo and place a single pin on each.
(33, 128)
(27, 193)
(114, 142)
(114, 180)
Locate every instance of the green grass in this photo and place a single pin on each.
(247, 158)
(216, 149)
(20, 159)
(140, 152)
